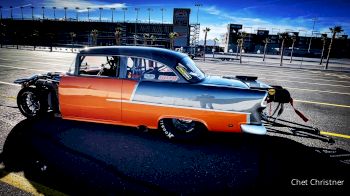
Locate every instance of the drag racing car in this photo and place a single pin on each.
(149, 88)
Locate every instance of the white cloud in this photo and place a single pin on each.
(250, 25)
(83, 4)
(212, 10)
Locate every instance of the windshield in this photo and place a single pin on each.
(188, 69)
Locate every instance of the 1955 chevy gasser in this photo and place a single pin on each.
(149, 87)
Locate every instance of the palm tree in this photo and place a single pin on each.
(283, 36)
(324, 41)
(50, 38)
(238, 44)
(94, 34)
(153, 39)
(242, 35)
(205, 30)
(215, 41)
(117, 35)
(2, 33)
(15, 39)
(265, 41)
(72, 37)
(172, 36)
(294, 39)
(35, 36)
(334, 30)
(145, 37)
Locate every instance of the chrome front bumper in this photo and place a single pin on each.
(254, 129)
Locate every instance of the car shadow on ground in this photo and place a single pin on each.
(88, 158)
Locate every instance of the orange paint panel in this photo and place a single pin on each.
(143, 114)
(128, 88)
(87, 97)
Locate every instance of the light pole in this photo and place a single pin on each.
(77, 16)
(198, 5)
(149, 19)
(22, 12)
(124, 10)
(137, 17)
(1, 12)
(312, 33)
(11, 12)
(149, 15)
(162, 9)
(43, 8)
(195, 46)
(88, 13)
(100, 12)
(32, 12)
(65, 13)
(54, 13)
(112, 9)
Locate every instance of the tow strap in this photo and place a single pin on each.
(301, 115)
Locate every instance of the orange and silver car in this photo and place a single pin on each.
(146, 87)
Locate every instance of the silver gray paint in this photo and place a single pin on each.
(223, 98)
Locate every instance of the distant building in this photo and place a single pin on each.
(49, 32)
(253, 43)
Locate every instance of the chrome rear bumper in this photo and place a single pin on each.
(254, 129)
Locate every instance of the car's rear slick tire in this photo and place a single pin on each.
(31, 96)
(168, 127)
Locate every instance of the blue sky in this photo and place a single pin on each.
(273, 15)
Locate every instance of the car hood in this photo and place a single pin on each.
(220, 81)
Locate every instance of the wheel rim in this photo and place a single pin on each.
(183, 125)
(30, 103)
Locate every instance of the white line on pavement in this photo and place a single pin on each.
(14, 67)
(36, 62)
(12, 84)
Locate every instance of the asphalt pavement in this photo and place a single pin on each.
(87, 158)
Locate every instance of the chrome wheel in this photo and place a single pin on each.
(183, 125)
(29, 102)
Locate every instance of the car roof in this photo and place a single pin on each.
(161, 55)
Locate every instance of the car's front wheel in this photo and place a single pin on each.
(30, 102)
(182, 129)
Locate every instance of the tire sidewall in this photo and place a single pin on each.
(170, 131)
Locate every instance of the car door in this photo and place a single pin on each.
(91, 95)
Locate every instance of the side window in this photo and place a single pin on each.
(103, 66)
(145, 69)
